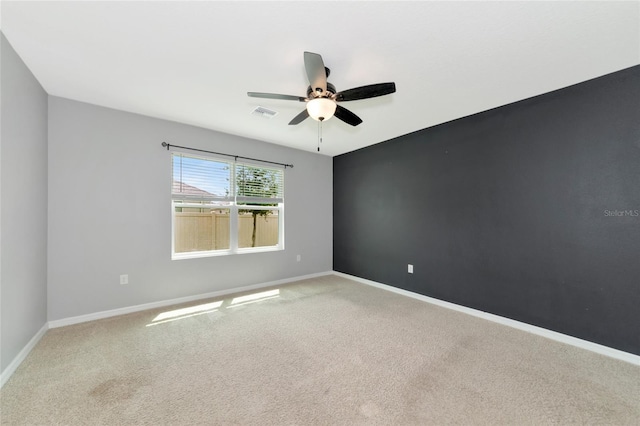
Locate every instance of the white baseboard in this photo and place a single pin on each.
(553, 335)
(137, 308)
(11, 368)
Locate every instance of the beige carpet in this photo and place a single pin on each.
(322, 351)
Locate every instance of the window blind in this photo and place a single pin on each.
(258, 184)
(197, 178)
(200, 178)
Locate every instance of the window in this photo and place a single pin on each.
(225, 207)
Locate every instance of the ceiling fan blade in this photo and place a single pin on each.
(300, 117)
(315, 71)
(365, 92)
(347, 116)
(276, 96)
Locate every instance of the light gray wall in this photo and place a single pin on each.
(23, 193)
(109, 212)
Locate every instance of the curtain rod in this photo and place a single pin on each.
(227, 155)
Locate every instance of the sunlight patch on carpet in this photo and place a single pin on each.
(207, 308)
(178, 314)
(255, 297)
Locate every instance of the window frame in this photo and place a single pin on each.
(230, 204)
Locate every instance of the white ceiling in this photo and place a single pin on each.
(193, 62)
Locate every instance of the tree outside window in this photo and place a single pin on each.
(256, 182)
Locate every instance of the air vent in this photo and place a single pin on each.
(264, 112)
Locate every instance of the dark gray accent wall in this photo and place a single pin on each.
(23, 154)
(530, 211)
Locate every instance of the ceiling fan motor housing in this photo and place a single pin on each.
(330, 93)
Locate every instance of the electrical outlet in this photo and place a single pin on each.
(410, 268)
(298, 258)
(124, 279)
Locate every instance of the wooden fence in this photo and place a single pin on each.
(196, 231)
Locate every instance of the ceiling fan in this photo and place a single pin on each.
(322, 98)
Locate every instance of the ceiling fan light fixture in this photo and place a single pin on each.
(321, 109)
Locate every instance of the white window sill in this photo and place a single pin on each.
(200, 254)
